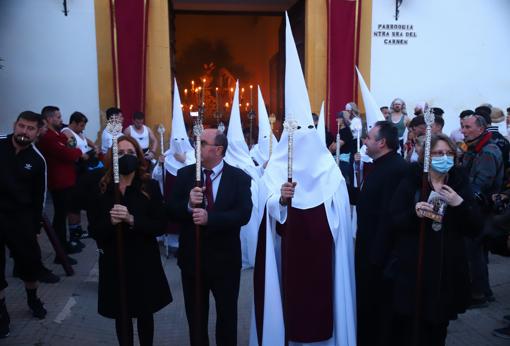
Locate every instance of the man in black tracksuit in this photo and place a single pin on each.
(22, 193)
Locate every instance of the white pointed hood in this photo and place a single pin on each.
(314, 169)
(321, 126)
(260, 151)
(238, 154)
(373, 113)
(179, 142)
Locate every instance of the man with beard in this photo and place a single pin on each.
(22, 192)
(374, 238)
(61, 160)
(399, 118)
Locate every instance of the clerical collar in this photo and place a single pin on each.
(382, 158)
(216, 169)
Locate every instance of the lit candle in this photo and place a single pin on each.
(251, 94)
(217, 101)
(193, 85)
(203, 91)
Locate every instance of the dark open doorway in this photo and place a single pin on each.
(224, 43)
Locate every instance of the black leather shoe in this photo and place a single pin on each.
(46, 276)
(37, 308)
(478, 303)
(73, 247)
(71, 260)
(4, 321)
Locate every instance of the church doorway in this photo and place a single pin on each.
(215, 43)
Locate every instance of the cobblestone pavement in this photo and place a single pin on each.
(73, 320)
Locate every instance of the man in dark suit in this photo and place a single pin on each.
(224, 205)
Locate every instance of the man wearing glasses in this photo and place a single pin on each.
(484, 164)
(220, 207)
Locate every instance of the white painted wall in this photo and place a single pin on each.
(50, 59)
(459, 59)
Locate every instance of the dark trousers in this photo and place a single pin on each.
(225, 290)
(62, 206)
(18, 233)
(375, 315)
(430, 334)
(478, 255)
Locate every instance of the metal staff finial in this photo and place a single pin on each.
(161, 131)
(429, 120)
(272, 120)
(290, 125)
(114, 128)
(198, 128)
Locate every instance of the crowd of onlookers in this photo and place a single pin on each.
(470, 174)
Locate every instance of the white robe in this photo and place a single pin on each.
(344, 325)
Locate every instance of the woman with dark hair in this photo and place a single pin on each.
(141, 214)
(449, 213)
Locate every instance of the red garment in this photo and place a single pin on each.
(307, 275)
(60, 159)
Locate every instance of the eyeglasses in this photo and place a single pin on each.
(437, 153)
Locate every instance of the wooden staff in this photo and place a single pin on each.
(197, 132)
(59, 251)
(161, 131)
(114, 127)
(429, 120)
(337, 154)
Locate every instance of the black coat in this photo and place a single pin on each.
(220, 244)
(146, 283)
(374, 236)
(446, 284)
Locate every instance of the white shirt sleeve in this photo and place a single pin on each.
(106, 142)
(276, 210)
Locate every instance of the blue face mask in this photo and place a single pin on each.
(442, 164)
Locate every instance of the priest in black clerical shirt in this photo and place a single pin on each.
(374, 238)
